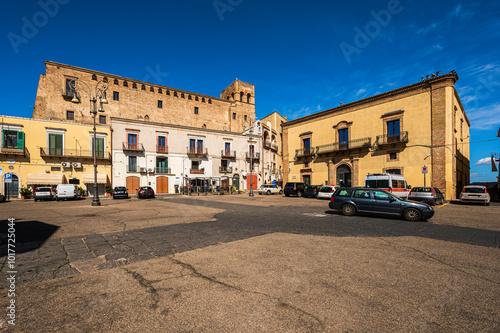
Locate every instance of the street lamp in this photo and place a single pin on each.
(251, 177)
(99, 95)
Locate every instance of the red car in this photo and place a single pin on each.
(145, 192)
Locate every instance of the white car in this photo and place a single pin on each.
(475, 193)
(270, 189)
(327, 191)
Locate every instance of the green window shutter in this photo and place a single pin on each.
(3, 139)
(20, 140)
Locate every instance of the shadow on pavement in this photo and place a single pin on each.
(29, 235)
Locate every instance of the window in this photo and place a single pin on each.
(175, 93)
(393, 131)
(248, 98)
(161, 165)
(234, 115)
(224, 165)
(161, 144)
(379, 195)
(245, 117)
(134, 85)
(70, 87)
(99, 148)
(196, 98)
(195, 165)
(189, 97)
(307, 145)
(200, 146)
(116, 96)
(160, 91)
(306, 165)
(132, 163)
(160, 104)
(125, 83)
(343, 138)
(102, 120)
(192, 145)
(377, 183)
(196, 110)
(241, 96)
(344, 193)
(143, 87)
(56, 144)
(132, 141)
(394, 171)
(94, 77)
(70, 115)
(227, 148)
(363, 194)
(55, 168)
(393, 156)
(182, 95)
(115, 81)
(13, 139)
(151, 89)
(209, 101)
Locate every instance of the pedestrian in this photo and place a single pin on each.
(342, 184)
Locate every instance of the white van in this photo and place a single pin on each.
(67, 191)
(396, 184)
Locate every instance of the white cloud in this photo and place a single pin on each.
(360, 92)
(484, 161)
(486, 117)
(304, 111)
(472, 175)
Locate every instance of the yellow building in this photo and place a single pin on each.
(400, 132)
(42, 152)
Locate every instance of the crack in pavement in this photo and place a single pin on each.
(146, 284)
(281, 303)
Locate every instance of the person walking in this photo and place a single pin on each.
(342, 184)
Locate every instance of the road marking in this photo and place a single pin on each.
(442, 205)
(315, 214)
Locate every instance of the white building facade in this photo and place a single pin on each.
(168, 157)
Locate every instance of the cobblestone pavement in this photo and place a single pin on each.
(37, 260)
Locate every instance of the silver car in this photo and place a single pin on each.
(475, 193)
(429, 195)
(43, 193)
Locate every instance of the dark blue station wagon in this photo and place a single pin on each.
(367, 200)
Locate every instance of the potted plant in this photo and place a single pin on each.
(82, 191)
(25, 192)
(109, 191)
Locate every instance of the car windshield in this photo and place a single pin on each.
(422, 189)
(290, 185)
(43, 189)
(120, 189)
(377, 183)
(326, 189)
(474, 190)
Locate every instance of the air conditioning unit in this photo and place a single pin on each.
(66, 165)
(142, 169)
(76, 165)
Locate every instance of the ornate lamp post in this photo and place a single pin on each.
(98, 96)
(251, 169)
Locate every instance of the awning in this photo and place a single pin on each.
(88, 178)
(45, 179)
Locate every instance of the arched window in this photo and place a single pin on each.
(115, 81)
(125, 83)
(168, 92)
(196, 98)
(232, 96)
(143, 87)
(175, 93)
(105, 79)
(209, 101)
(94, 77)
(160, 91)
(152, 89)
(203, 99)
(189, 97)
(146, 118)
(204, 126)
(134, 85)
(248, 98)
(241, 96)
(182, 95)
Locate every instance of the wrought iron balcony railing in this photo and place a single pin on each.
(162, 170)
(254, 156)
(74, 153)
(161, 149)
(228, 154)
(225, 169)
(197, 171)
(133, 146)
(270, 145)
(344, 146)
(197, 152)
(304, 152)
(388, 139)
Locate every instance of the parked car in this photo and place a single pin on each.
(327, 191)
(294, 188)
(475, 193)
(270, 189)
(429, 195)
(311, 191)
(120, 192)
(395, 184)
(145, 192)
(374, 201)
(43, 193)
(67, 191)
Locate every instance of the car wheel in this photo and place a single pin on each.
(299, 194)
(260, 193)
(268, 192)
(281, 192)
(412, 214)
(35, 200)
(348, 210)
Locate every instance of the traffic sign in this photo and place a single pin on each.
(1, 172)
(424, 169)
(8, 178)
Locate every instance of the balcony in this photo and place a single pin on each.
(391, 139)
(225, 169)
(197, 171)
(162, 170)
(304, 152)
(228, 154)
(133, 146)
(197, 152)
(11, 150)
(344, 147)
(132, 168)
(74, 153)
(162, 149)
(253, 156)
(270, 145)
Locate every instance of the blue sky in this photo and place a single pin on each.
(300, 55)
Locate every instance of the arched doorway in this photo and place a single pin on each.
(161, 184)
(344, 174)
(132, 185)
(236, 182)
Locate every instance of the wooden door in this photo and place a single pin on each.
(161, 184)
(254, 181)
(132, 185)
